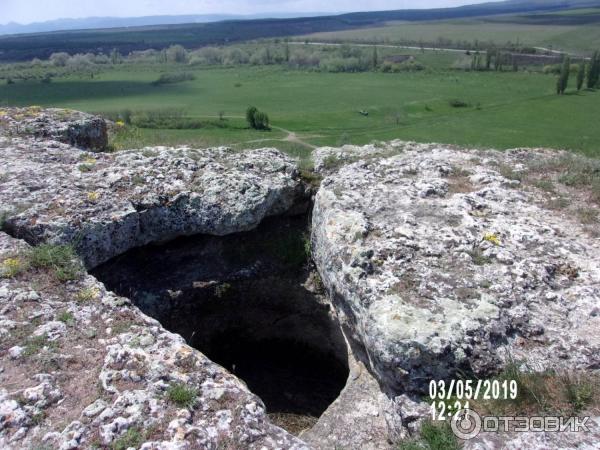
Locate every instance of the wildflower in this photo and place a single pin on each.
(88, 294)
(93, 196)
(120, 123)
(491, 237)
(11, 267)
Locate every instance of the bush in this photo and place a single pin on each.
(131, 438)
(182, 395)
(61, 260)
(176, 54)
(256, 119)
(434, 436)
(172, 119)
(171, 78)
(456, 103)
(59, 59)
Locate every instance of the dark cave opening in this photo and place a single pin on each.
(249, 301)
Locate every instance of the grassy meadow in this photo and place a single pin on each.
(570, 38)
(503, 110)
(576, 31)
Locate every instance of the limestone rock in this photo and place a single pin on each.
(71, 127)
(439, 263)
(78, 392)
(109, 203)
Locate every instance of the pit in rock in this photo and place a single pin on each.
(250, 302)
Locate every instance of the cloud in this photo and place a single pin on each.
(26, 11)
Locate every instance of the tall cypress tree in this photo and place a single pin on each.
(375, 60)
(580, 75)
(563, 78)
(593, 70)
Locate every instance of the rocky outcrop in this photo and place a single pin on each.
(441, 263)
(109, 203)
(71, 127)
(438, 262)
(81, 367)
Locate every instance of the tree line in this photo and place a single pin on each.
(588, 73)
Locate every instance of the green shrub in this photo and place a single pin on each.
(34, 344)
(131, 438)
(457, 103)
(182, 395)
(66, 317)
(60, 260)
(579, 392)
(172, 78)
(256, 119)
(172, 119)
(434, 436)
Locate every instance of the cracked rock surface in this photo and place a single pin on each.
(442, 263)
(81, 367)
(439, 265)
(437, 260)
(108, 203)
(71, 127)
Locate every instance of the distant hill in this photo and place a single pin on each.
(124, 22)
(192, 35)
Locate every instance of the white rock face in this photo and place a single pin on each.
(440, 263)
(109, 203)
(71, 127)
(103, 384)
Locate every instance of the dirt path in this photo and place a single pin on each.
(293, 137)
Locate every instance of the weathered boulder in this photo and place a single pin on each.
(441, 263)
(71, 127)
(81, 368)
(108, 203)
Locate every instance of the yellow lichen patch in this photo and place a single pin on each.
(492, 237)
(89, 160)
(11, 267)
(93, 196)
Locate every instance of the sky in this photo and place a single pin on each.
(27, 11)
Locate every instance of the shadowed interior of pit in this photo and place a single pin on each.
(245, 302)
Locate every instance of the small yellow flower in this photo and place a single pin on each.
(11, 267)
(120, 123)
(491, 237)
(88, 294)
(93, 196)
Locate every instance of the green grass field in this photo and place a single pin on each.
(572, 38)
(505, 109)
